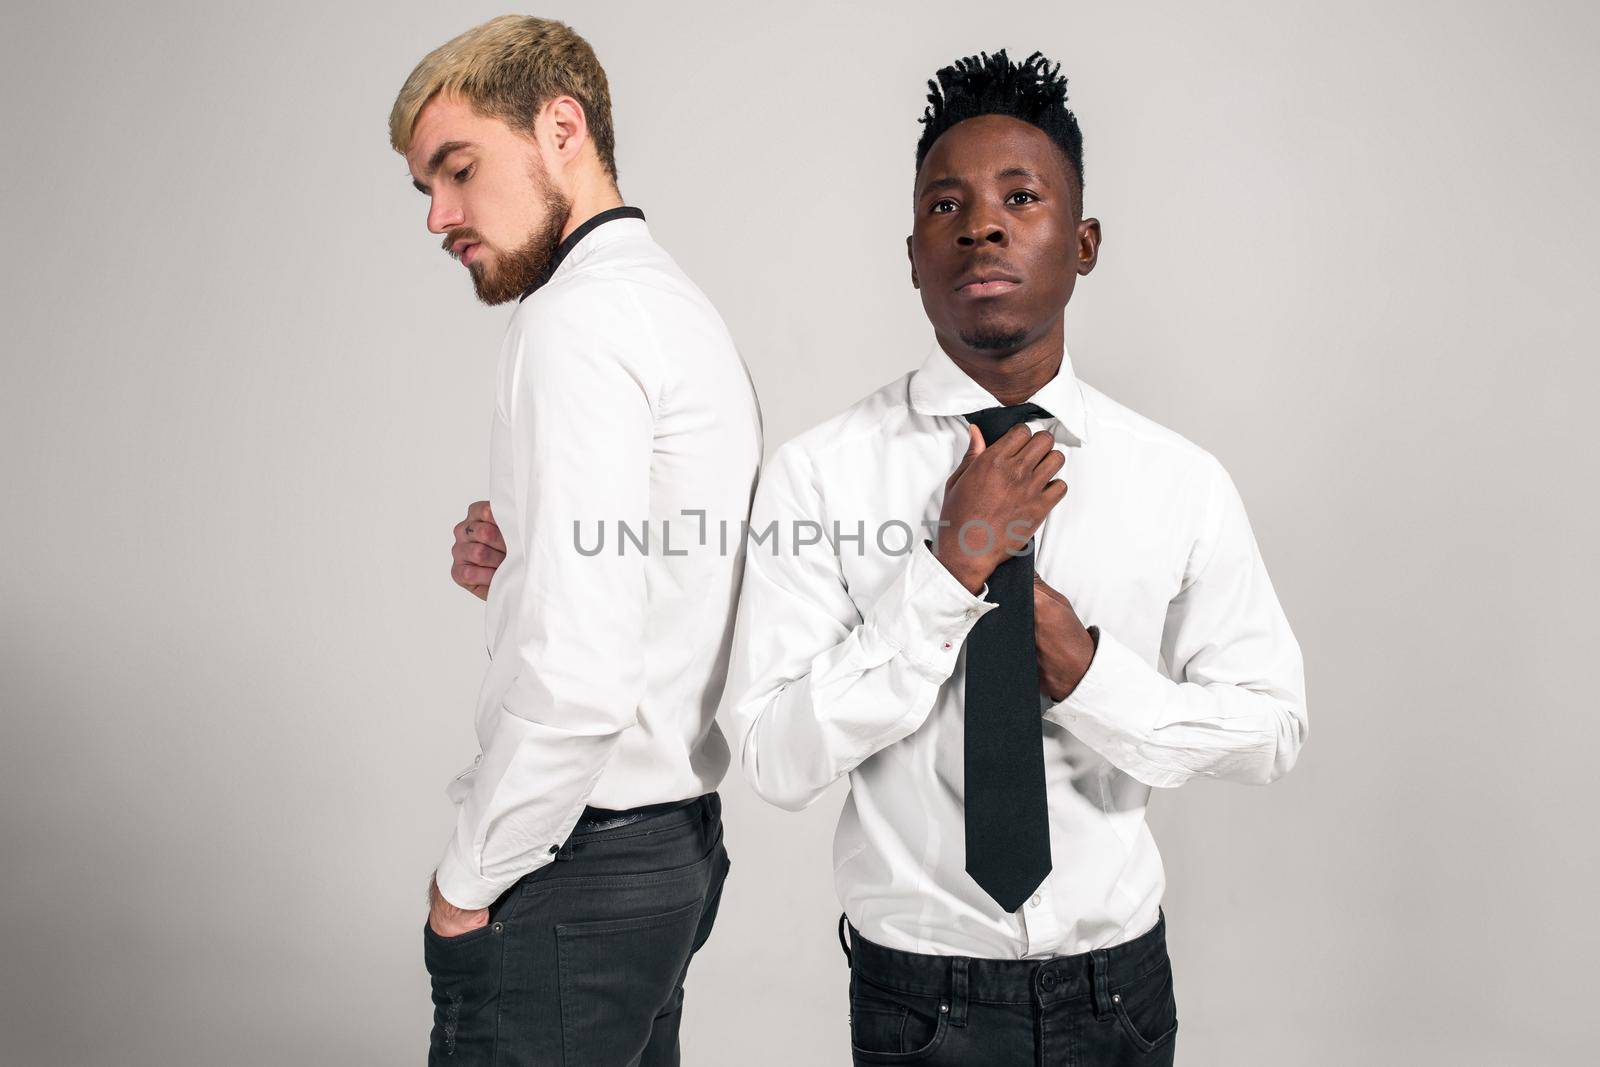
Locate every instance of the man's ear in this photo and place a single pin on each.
(565, 128)
(1088, 245)
(913, 261)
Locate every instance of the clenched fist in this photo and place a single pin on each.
(478, 550)
(1064, 646)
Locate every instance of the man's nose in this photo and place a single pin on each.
(443, 215)
(984, 231)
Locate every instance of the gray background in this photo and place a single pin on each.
(1348, 248)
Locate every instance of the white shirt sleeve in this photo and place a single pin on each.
(1237, 708)
(815, 685)
(584, 382)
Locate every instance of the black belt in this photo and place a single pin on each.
(594, 820)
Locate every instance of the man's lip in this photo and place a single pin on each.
(467, 251)
(987, 283)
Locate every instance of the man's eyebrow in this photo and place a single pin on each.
(1019, 172)
(438, 158)
(949, 181)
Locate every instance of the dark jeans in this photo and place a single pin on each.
(583, 960)
(1110, 1006)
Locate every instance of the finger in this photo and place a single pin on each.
(975, 445)
(480, 591)
(1037, 446)
(1054, 491)
(1045, 589)
(479, 510)
(478, 554)
(484, 533)
(1049, 463)
(1012, 441)
(466, 575)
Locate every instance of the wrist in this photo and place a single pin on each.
(1085, 646)
(968, 570)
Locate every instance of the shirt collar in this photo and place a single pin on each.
(572, 239)
(939, 387)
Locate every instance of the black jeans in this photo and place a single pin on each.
(1108, 1007)
(583, 961)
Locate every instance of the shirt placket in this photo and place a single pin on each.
(1041, 927)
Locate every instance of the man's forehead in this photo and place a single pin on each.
(991, 146)
(441, 120)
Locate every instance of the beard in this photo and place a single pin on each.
(507, 275)
(994, 339)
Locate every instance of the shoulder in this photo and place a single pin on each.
(1146, 442)
(874, 416)
(581, 328)
(588, 304)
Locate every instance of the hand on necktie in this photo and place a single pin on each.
(1064, 646)
(999, 493)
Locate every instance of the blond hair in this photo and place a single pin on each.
(509, 68)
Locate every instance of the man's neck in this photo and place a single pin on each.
(589, 200)
(1012, 377)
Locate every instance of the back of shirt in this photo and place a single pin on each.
(626, 443)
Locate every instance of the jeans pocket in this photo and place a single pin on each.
(616, 975)
(1147, 1009)
(892, 1027)
(464, 973)
(713, 900)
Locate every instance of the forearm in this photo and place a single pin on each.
(799, 730)
(1163, 732)
(528, 793)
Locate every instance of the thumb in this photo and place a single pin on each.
(1046, 589)
(975, 448)
(975, 445)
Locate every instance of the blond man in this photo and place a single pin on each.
(587, 861)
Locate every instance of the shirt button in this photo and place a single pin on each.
(1033, 902)
(947, 646)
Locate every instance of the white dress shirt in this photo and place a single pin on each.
(851, 661)
(620, 398)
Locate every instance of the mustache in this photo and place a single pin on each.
(977, 266)
(459, 235)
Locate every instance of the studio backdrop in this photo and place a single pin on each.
(1349, 249)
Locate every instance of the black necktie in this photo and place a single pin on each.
(1007, 819)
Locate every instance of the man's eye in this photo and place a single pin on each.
(943, 207)
(461, 175)
(1027, 197)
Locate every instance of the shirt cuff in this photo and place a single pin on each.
(926, 613)
(466, 889)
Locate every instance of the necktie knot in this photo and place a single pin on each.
(994, 422)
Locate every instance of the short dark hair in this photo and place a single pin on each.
(1033, 91)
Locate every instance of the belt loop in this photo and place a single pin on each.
(845, 944)
(958, 990)
(1100, 977)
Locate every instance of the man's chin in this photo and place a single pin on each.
(492, 288)
(994, 338)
